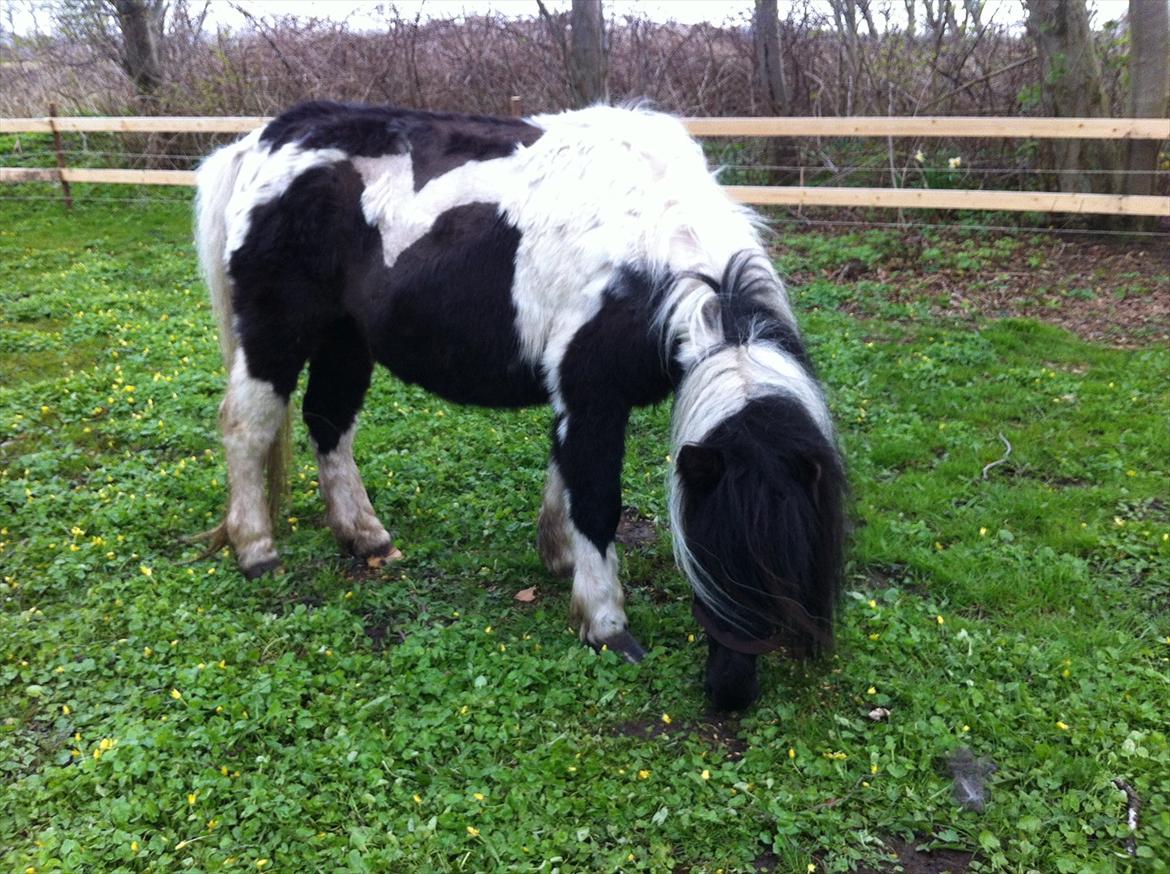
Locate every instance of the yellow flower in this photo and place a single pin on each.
(105, 744)
(65, 709)
(666, 718)
(982, 532)
(643, 774)
(871, 691)
(1062, 726)
(176, 694)
(487, 630)
(473, 831)
(191, 796)
(262, 864)
(212, 824)
(134, 846)
(706, 775)
(479, 796)
(791, 753)
(417, 798)
(940, 620)
(872, 602)
(146, 572)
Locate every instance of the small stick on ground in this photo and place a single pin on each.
(1131, 818)
(1000, 461)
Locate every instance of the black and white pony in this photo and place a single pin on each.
(587, 260)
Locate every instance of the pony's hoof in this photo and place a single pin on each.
(271, 566)
(386, 553)
(625, 643)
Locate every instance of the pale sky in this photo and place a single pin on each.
(26, 15)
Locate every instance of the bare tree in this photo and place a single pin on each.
(587, 61)
(769, 66)
(128, 32)
(1071, 86)
(583, 52)
(770, 85)
(141, 24)
(1149, 83)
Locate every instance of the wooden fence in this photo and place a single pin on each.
(873, 126)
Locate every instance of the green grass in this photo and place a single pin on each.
(159, 715)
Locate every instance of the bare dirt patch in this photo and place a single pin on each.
(915, 861)
(1104, 289)
(635, 529)
(716, 731)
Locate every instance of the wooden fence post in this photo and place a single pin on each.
(60, 156)
(517, 107)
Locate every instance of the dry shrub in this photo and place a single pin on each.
(477, 63)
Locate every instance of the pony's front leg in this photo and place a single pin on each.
(587, 451)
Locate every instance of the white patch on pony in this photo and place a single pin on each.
(347, 506)
(601, 189)
(402, 215)
(598, 603)
(250, 417)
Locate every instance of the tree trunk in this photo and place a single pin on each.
(1149, 82)
(141, 25)
(1071, 88)
(587, 63)
(771, 87)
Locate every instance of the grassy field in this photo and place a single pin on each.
(161, 715)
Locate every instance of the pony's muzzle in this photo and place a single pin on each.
(731, 682)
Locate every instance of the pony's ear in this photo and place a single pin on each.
(700, 466)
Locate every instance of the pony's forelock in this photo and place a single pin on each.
(762, 548)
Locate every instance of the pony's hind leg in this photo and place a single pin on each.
(250, 417)
(553, 538)
(339, 375)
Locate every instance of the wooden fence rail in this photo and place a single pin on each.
(859, 126)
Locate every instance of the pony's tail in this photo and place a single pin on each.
(215, 185)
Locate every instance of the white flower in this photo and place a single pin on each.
(955, 163)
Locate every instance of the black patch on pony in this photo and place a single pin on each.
(614, 362)
(289, 274)
(443, 317)
(438, 142)
(763, 515)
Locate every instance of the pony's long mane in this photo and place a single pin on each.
(764, 554)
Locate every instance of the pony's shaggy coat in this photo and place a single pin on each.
(587, 260)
